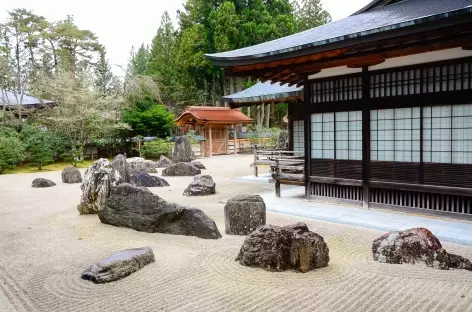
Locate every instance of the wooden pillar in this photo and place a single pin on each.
(226, 141)
(307, 133)
(210, 148)
(365, 136)
(235, 136)
(290, 129)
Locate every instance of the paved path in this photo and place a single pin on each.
(293, 203)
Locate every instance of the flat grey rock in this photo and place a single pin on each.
(165, 162)
(138, 208)
(141, 165)
(119, 265)
(181, 169)
(198, 164)
(147, 180)
(41, 183)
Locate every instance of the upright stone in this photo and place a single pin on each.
(99, 178)
(71, 175)
(183, 150)
(282, 140)
(244, 213)
(121, 165)
(119, 265)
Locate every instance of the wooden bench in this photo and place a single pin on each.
(268, 158)
(283, 173)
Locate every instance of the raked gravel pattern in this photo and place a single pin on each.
(45, 245)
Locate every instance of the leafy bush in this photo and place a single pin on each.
(257, 134)
(42, 145)
(11, 152)
(156, 149)
(148, 118)
(8, 132)
(192, 137)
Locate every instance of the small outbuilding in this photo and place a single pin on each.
(213, 123)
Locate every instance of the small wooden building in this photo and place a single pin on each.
(213, 123)
(387, 111)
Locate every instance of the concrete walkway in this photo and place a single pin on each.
(293, 203)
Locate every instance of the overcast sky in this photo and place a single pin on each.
(123, 24)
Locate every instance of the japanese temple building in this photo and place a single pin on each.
(386, 119)
(213, 124)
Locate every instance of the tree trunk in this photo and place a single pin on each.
(231, 86)
(262, 115)
(249, 111)
(258, 117)
(267, 115)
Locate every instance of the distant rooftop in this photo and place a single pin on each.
(207, 114)
(265, 92)
(8, 98)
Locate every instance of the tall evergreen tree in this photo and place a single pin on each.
(310, 14)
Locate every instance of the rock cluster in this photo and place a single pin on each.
(200, 186)
(275, 248)
(417, 245)
(40, 183)
(71, 175)
(119, 265)
(244, 213)
(183, 150)
(146, 180)
(181, 169)
(139, 209)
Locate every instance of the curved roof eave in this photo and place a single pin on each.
(324, 45)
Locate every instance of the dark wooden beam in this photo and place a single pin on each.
(381, 55)
(280, 75)
(360, 65)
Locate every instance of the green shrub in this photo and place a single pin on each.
(11, 152)
(192, 137)
(156, 149)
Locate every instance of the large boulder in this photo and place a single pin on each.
(183, 150)
(244, 214)
(146, 180)
(40, 183)
(276, 248)
(121, 165)
(139, 209)
(139, 164)
(200, 186)
(71, 175)
(198, 164)
(181, 169)
(282, 140)
(119, 265)
(98, 180)
(165, 162)
(417, 245)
